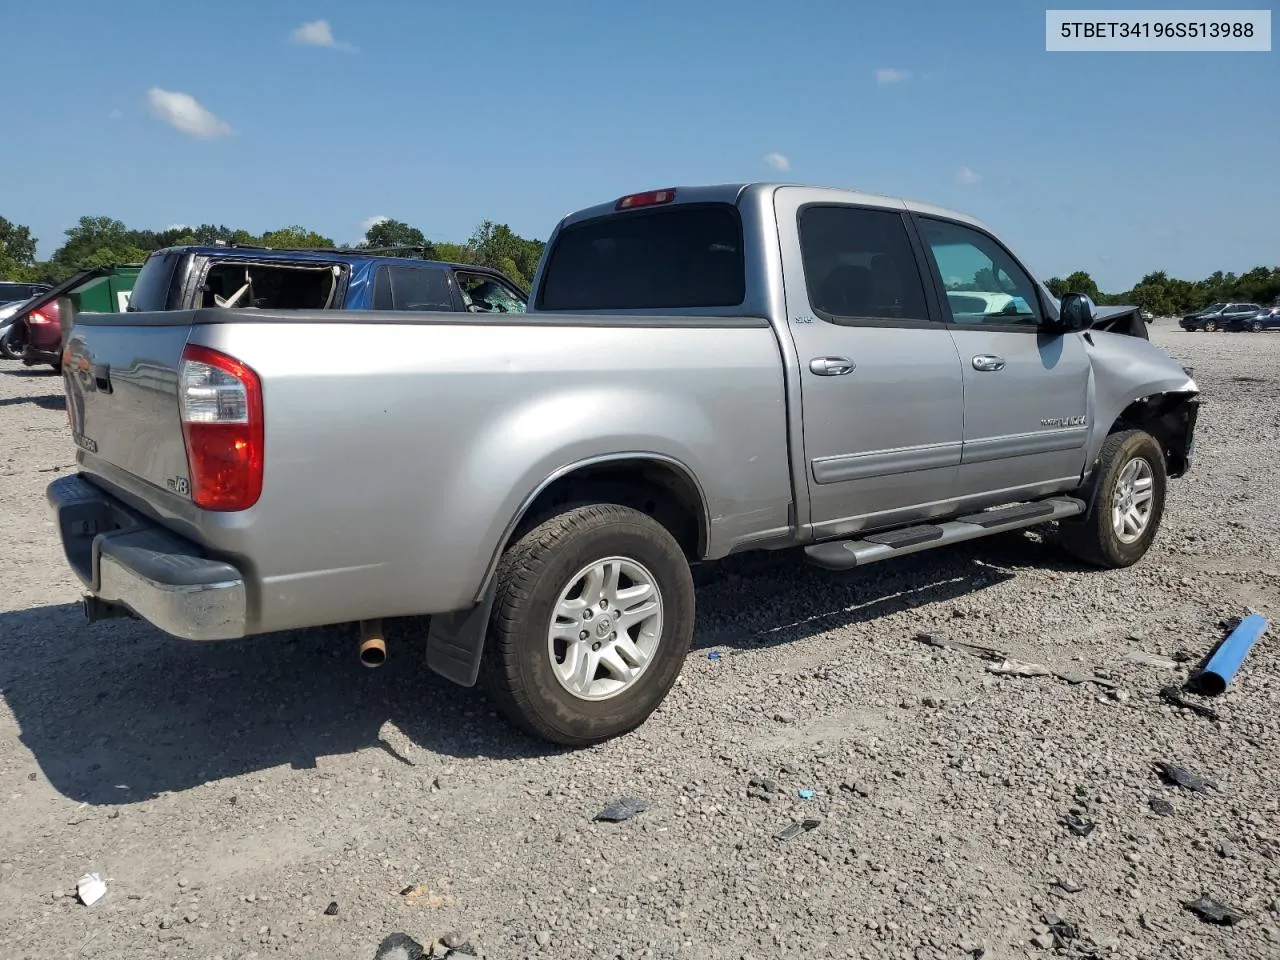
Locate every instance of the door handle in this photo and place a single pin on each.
(988, 363)
(831, 366)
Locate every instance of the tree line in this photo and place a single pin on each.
(103, 241)
(1167, 296)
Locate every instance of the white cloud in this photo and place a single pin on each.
(891, 75)
(318, 33)
(184, 112)
(368, 223)
(968, 176)
(777, 161)
(115, 114)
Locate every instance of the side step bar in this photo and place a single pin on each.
(847, 554)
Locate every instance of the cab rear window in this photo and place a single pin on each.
(151, 288)
(683, 256)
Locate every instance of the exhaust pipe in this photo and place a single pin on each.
(373, 648)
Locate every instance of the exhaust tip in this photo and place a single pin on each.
(373, 652)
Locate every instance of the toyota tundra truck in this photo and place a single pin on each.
(701, 371)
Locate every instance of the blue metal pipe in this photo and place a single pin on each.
(1226, 660)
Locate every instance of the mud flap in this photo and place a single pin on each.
(455, 641)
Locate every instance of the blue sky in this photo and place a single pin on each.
(444, 114)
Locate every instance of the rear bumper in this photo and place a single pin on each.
(126, 559)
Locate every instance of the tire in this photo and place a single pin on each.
(1097, 539)
(522, 665)
(1256, 326)
(1210, 327)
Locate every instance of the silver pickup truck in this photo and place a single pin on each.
(701, 371)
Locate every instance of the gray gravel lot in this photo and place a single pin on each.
(230, 792)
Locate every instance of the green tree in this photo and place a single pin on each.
(1057, 286)
(397, 233)
(496, 245)
(17, 251)
(455, 252)
(295, 237)
(1081, 282)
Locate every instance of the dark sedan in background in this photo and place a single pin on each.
(1266, 318)
(1218, 316)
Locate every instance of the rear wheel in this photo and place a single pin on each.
(592, 620)
(1128, 505)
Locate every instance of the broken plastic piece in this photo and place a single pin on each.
(983, 653)
(1211, 911)
(91, 888)
(1079, 826)
(1018, 668)
(1182, 777)
(805, 793)
(399, 946)
(793, 829)
(1151, 660)
(714, 655)
(332, 909)
(622, 809)
(1161, 806)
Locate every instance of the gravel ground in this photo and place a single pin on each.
(229, 793)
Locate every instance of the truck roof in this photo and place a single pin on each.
(733, 192)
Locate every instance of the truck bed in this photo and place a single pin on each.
(376, 431)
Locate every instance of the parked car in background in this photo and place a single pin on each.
(702, 371)
(1266, 318)
(1147, 316)
(15, 292)
(1217, 316)
(37, 330)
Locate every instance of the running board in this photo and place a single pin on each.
(847, 554)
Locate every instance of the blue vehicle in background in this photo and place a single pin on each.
(1267, 318)
(242, 277)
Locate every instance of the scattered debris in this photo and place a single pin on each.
(1174, 697)
(783, 716)
(1061, 930)
(622, 809)
(1227, 850)
(856, 786)
(1160, 806)
(805, 793)
(1182, 777)
(794, 829)
(91, 888)
(1067, 885)
(983, 653)
(714, 655)
(1151, 660)
(332, 909)
(1043, 940)
(399, 946)
(1211, 911)
(1078, 825)
(763, 789)
(1019, 668)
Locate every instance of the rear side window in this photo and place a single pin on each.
(411, 288)
(151, 286)
(270, 286)
(676, 257)
(858, 264)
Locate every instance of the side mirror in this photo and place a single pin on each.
(1075, 313)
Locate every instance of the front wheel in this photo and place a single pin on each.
(592, 620)
(1256, 326)
(1128, 505)
(1210, 327)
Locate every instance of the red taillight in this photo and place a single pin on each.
(648, 199)
(220, 400)
(48, 314)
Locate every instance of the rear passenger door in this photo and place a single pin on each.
(411, 287)
(1026, 390)
(880, 380)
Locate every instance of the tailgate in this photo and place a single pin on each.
(121, 375)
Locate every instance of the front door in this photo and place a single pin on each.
(880, 379)
(1026, 391)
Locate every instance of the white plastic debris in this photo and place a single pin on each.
(91, 888)
(1017, 668)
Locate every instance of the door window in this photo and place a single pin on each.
(412, 288)
(482, 293)
(859, 266)
(983, 283)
